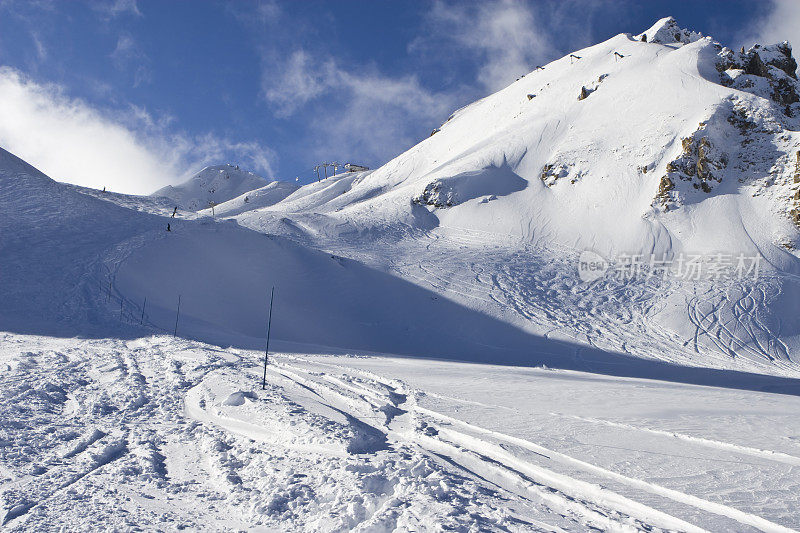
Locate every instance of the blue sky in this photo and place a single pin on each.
(137, 94)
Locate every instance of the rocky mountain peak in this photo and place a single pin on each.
(667, 31)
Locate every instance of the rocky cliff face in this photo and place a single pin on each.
(766, 71)
(747, 144)
(667, 31)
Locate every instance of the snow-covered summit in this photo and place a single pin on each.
(667, 31)
(216, 184)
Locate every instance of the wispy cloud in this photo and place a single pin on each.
(125, 150)
(115, 8)
(380, 116)
(128, 56)
(364, 113)
(300, 79)
(507, 38)
(781, 23)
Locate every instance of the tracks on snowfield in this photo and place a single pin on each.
(728, 313)
(183, 435)
(538, 288)
(576, 491)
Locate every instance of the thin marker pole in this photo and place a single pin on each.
(141, 322)
(121, 301)
(177, 314)
(266, 352)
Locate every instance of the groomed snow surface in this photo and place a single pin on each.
(437, 362)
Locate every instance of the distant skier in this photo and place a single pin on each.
(168, 229)
(174, 211)
(104, 188)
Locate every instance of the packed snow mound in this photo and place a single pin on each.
(486, 184)
(215, 184)
(262, 197)
(667, 31)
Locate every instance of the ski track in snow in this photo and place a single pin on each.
(540, 290)
(326, 446)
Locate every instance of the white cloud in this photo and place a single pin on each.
(299, 80)
(365, 114)
(41, 50)
(126, 151)
(114, 8)
(506, 37)
(128, 57)
(382, 116)
(781, 23)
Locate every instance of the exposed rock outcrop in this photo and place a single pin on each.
(664, 197)
(767, 71)
(700, 165)
(436, 194)
(667, 31)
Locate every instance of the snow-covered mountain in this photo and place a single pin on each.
(538, 389)
(85, 262)
(214, 184)
(253, 199)
(663, 147)
(615, 147)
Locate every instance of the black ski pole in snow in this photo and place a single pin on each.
(143, 306)
(266, 352)
(177, 314)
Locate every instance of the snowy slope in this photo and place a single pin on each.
(52, 240)
(215, 184)
(74, 263)
(531, 399)
(159, 433)
(254, 199)
(664, 146)
(157, 205)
